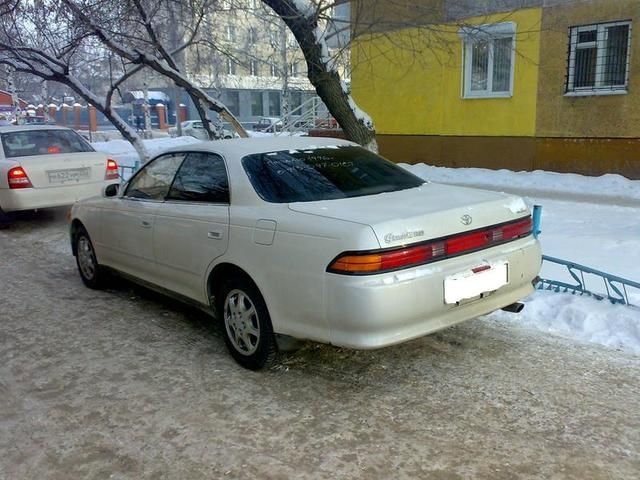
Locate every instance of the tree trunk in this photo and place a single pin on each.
(326, 80)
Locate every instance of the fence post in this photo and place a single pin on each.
(162, 119)
(537, 220)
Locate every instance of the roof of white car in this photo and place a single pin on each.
(246, 146)
(21, 128)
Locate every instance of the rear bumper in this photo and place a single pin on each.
(375, 311)
(34, 198)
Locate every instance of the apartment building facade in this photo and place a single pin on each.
(519, 84)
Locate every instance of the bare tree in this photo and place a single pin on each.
(303, 18)
(146, 47)
(33, 42)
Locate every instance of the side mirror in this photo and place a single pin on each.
(111, 190)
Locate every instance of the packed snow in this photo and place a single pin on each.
(600, 234)
(611, 188)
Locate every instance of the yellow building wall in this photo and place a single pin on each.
(410, 81)
(596, 116)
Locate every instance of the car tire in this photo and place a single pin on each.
(5, 220)
(91, 273)
(247, 325)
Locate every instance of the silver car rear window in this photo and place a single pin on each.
(28, 143)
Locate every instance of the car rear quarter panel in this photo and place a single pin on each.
(290, 272)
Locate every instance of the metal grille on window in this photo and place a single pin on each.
(502, 50)
(480, 66)
(599, 58)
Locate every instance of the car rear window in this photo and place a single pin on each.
(324, 174)
(42, 142)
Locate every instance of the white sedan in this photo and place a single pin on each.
(314, 239)
(48, 166)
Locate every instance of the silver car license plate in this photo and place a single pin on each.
(69, 175)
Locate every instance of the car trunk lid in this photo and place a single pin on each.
(419, 214)
(64, 169)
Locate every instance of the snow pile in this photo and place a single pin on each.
(124, 153)
(601, 235)
(604, 237)
(532, 183)
(581, 318)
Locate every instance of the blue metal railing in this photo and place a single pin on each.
(617, 288)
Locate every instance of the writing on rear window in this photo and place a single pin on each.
(324, 174)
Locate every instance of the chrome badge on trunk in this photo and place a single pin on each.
(399, 237)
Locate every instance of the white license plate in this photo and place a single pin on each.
(475, 282)
(69, 175)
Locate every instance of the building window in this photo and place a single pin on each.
(273, 69)
(489, 60)
(231, 67)
(256, 104)
(253, 36)
(296, 100)
(274, 37)
(233, 101)
(295, 69)
(231, 33)
(254, 68)
(274, 104)
(599, 59)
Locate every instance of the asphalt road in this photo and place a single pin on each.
(127, 384)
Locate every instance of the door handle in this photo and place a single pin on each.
(215, 234)
(145, 224)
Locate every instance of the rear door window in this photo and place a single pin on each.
(155, 178)
(28, 143)
(201, 178)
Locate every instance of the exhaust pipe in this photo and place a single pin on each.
(514, 307)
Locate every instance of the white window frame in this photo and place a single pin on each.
(294, 69)
(231, 67)
(488, 33)
(253, 68)
(231, 33)
(600, 87)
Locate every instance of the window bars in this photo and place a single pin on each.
(598, 58)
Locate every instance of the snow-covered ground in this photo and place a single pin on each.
(598, 233)
(588, 220)
(611, 188)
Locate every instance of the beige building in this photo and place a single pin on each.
(258, 68)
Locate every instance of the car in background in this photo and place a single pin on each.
(49, 166)
(268, 124)
(195, 129)
(315, 239)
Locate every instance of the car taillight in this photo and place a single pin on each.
(112, 170)
(18, 178)
(363, 263)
